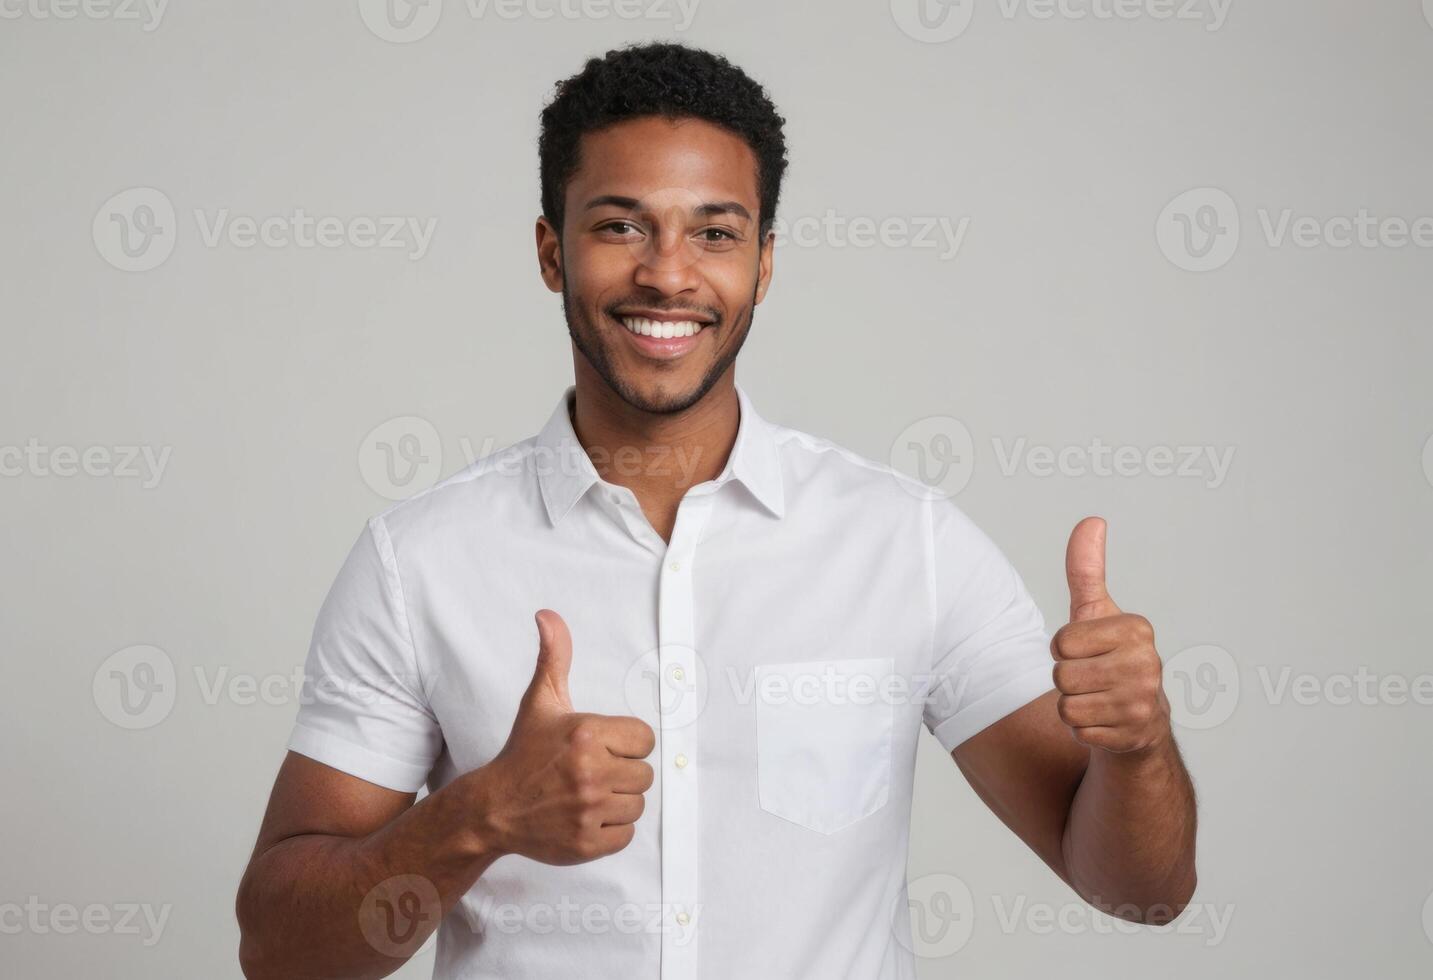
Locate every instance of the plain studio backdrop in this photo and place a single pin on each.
(1167, 262)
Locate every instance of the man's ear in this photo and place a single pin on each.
(765, 265)
(549, 254)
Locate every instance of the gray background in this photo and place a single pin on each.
(1065, 317)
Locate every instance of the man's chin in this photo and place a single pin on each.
(659, 396)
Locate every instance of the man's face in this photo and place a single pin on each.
(660, 234)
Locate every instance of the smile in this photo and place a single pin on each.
(661, 328)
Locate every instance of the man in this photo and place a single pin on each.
(739, 629)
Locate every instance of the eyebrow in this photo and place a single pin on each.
(705, 210)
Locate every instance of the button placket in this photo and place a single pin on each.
(677, 655)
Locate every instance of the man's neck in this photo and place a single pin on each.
(657, 456)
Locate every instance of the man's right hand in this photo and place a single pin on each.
(567, 786)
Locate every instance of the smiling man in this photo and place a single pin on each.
(663, 666)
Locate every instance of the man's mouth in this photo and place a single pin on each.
(665, 339)
(662, 329)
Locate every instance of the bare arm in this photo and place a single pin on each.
(1119, 831)
(1112, 809)
(307, 904)
(349, 878)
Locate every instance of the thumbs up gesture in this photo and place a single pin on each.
(567, 786)
(1108, 673)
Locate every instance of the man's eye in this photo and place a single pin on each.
(721, 235)
(620, 227)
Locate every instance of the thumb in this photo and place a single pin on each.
(1085, 571)
(548, 690)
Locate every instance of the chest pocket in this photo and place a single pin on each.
(823, 740)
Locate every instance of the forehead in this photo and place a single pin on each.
(642, 157)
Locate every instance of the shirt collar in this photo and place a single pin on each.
(565, 472)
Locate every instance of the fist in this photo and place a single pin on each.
(1108, 673)
(567, 786)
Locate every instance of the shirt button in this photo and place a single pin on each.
(681, 761)
(683, 918)
(675, 566)
(678, 673)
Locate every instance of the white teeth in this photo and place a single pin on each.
(655, 328)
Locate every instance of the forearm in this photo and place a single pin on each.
(1129, 840)
(301, 905)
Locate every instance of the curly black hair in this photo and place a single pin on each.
(658, 79)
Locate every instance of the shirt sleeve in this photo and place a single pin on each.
(990, 651)
(363, 709)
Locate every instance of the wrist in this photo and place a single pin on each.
(476, 832)
(1150, 757)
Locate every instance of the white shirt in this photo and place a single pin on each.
(812, 610)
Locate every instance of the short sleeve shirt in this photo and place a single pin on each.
(812, 611)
